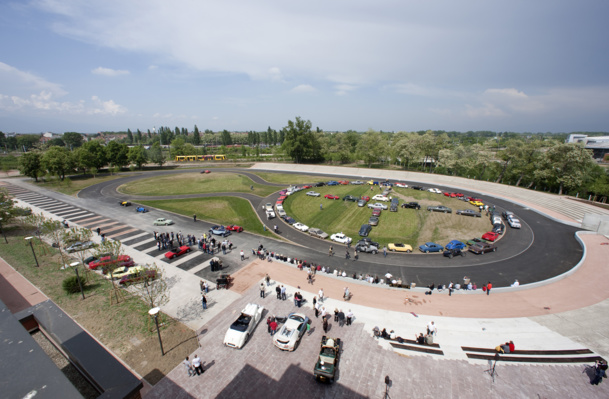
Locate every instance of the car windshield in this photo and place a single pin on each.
(241, 323)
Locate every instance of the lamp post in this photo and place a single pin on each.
(29, 239)
(3, 231)
(74, 265)
(154, 312)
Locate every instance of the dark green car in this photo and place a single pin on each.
(327, 363)
(350, 198)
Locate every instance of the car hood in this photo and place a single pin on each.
(234, 337)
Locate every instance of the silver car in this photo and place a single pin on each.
(377, 205)
(80, 246)
(289, 335)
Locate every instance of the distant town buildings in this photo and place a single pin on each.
(598, 144)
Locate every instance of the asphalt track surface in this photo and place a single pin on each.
(542, 249)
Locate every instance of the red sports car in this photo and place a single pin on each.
(233, 227)
(279, 202)
(446, 193)
(366, 198)
(459, 195)
(343, 182)
(307, 186)
(376, 212)
(177, 252)
(206, 171)
(330, 196)
(490, 236)
(110, 262)
(282, 197)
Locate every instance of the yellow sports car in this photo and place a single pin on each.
(398, 247)
(123, 271)
(477, 203)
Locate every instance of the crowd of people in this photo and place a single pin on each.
(206, 243)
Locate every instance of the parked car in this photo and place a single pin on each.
(514, 223)
(372, 183)
(402, 185)
(137, 277)
(289, 220)
(318, 233)
(368, 241)
(481, 248)
(332, 183)
(281, 213)
(219, 231)
(367, 247)
(495, 219)
(439, 208)
(343, 182)
(110, 261)
(234, 227)
(300, 226)
(376, 212)
(380, 197)
(475, 240)
(490, 236)
(399, 247)
(507, 214)
(469, 212)
(175, 252)
(124, 203)
(411, 205)
(377, 205)
(327, 362)
(454, 252)
(350, 198)
(365, 198)
(455, 244)
(477, 203)
(434, 190)
(373, 221)
(357, 182)
(206, 171)
(313, 194)
(361, 203)
(393, 207)
(365, 230)
(341, 238)
(430, 247)
(270, 214)
(307, 186)
(123, 271)
(319, 184)
(420, 188)
(289, 335)
(141, 209)
(498, 228)
(162, 222)
(331, 196)
(240, 330)
(80, 246)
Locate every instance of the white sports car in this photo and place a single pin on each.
(434, 190)
(340, 237)
(313, 194)
(239, 332)
(403, 185)
(380, 197)
(300, 226)
(290, 333)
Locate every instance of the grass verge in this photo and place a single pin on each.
(71, 186)
(125, 327)
(289, 178)
(221, 210)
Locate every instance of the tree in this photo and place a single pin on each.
(177, 147)
(407, 149)
(28, 141)
(92, 155)
(196, 137)
(155, 154)
(138, 156)
(153, 290)
(139, 136)
(56, 142)
(566, 165)
(57, 161)
(73, 140)
(372, 147)
(300, 143)
(129, 137)
(7, 206)
(117, 154)
(30, 164)
(225, 139)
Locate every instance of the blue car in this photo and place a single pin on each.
(219, 231)
(455, 244)
(332, 183)
(141, 209)
(431, 247)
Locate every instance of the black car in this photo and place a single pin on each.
(420, 188)
(350, 198)
(319, 184)
(411, 205)
(454, 252)
(498, 228)
(368, 241)
(365, 230)
(469, 212)
(393, 207)
(289, 220)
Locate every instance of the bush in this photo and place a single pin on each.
(70, 285)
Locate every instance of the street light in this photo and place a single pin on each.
(3, 231)
(74, 265)
(31, 246)
(154, 312)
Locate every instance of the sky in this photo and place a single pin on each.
(391, 65)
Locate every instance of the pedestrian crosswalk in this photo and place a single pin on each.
(130, 236)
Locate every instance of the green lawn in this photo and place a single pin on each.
(195, 183)
(222, 210)
(71, 186)
(407, 225)
(289, 178)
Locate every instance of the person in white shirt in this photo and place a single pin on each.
(349, 317)
(431, 328)
(321, 295)
(516, 283)
(188, 366)
(196, 363)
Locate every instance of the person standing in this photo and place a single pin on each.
(341, 318)
(321, 207)
(262, 290)
(268, 280)
(273, 327)
(98, 231)
(320, 294)
(488, 288)
(349, 317)
(325, 325)
(196, 363)
(283, 293)
(331, 251)
(202, 285)
(242, 255)
(385, 252)
(203, 302)
(278, 291)
(206, 287)
(189, 368)
(317, 306)
(431, 328)
(194, 218)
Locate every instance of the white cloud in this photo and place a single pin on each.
(109, 72)
(344, 89)
(15, 81)
(108, 107)
(304, 88)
